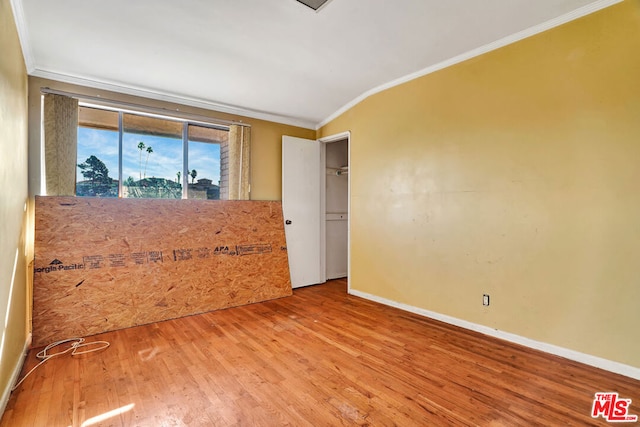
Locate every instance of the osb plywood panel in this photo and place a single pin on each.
(107, 264)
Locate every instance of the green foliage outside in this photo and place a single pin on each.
(96, 179)
(97, 182)
(154, 188)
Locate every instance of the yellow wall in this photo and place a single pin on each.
(13, 199)
(266, 137)
(516, 174)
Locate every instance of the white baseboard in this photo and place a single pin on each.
(587, 359)
(6, 393)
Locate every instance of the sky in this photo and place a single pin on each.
(164, 162)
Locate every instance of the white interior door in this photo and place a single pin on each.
(301, 208)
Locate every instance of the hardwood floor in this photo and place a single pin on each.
(318, 358)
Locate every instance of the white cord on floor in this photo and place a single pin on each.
(76, 343)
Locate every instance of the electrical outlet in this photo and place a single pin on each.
(485, 299)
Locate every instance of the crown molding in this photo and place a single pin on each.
(32, 69)
(531, 31)
(23, 34)
(173, 98)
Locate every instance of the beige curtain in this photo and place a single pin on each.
(60, 144)
(239, 162)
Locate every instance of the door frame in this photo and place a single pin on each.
(323, 203)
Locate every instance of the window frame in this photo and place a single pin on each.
(186, 122)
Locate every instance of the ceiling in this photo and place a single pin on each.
(271, 59)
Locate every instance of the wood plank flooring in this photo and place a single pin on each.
(318, 358)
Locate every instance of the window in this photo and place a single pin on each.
(97, 170)
(152, 159)
(138, 155)
(204, 163)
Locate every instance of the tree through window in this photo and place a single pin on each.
(154, 157)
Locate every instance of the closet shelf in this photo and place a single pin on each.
(344, 170)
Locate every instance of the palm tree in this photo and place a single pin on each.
(194, 173)
(141, 147)
(149, 151)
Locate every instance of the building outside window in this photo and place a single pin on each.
(137, 155)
